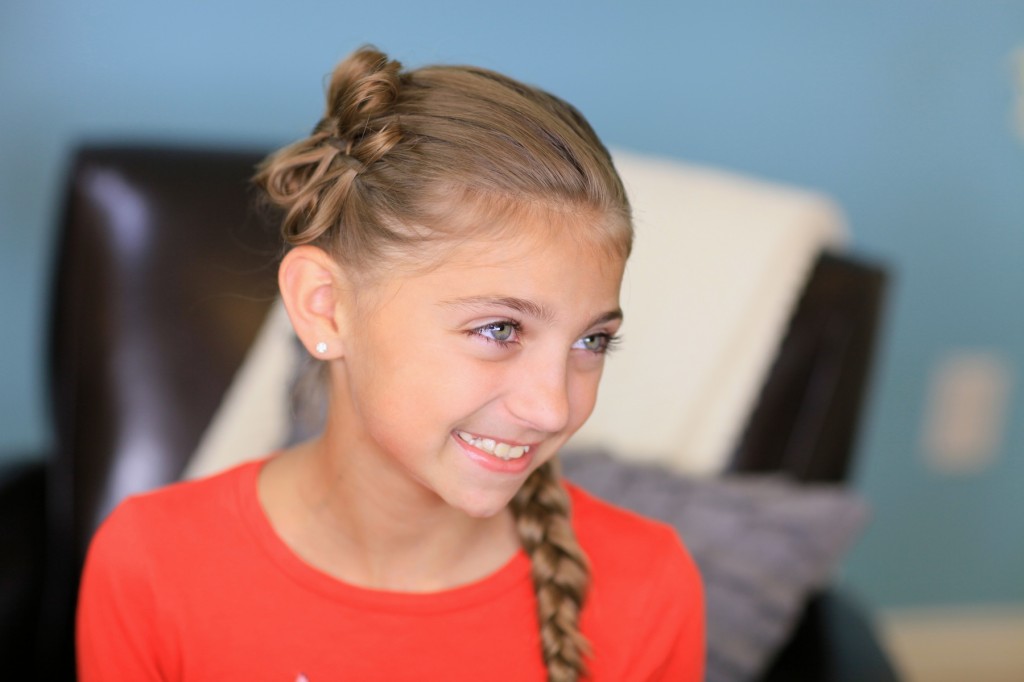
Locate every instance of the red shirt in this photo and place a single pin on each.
(191, 583)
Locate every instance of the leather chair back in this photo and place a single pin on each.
(164, 274)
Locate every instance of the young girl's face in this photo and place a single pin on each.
(464, 379)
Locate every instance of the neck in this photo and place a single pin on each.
(362, 519)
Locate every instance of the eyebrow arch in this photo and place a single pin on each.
(524, 306)
(609, 316)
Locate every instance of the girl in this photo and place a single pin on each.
(457, 246)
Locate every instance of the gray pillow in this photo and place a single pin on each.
(763, 545)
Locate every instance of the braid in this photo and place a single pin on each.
(312, 179)
(560, 570)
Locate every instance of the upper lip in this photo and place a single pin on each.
(499, 439)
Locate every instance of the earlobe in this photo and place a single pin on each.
(312, 288)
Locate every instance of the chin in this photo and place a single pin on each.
(482, 505)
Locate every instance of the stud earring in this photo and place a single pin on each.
(321, 347)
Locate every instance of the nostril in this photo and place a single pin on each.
(543, 408)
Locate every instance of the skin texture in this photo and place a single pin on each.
(388, 497)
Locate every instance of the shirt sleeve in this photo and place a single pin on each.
(118, 633)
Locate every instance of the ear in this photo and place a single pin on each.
(314, 291)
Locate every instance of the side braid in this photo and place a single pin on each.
(560, 570)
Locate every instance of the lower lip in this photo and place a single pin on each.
(493, 463)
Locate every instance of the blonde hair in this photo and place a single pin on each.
(385, 179)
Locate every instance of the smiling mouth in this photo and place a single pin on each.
(505, 451)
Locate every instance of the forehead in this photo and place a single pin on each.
(463, 214)
(542, 252)
(552, 263)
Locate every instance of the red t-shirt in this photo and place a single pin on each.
(192, 583)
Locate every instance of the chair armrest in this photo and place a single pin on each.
(23, 520)
(834, 642)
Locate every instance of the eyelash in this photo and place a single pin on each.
(611, 341)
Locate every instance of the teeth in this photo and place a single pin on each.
(497, 448)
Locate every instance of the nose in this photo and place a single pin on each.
(539, 394)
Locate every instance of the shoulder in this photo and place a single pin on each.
(645, 606)
(172, 515)
(604, 529)
(200, 493)
(165, 537)
(631, 555)
(132, 604)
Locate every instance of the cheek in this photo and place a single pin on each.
(417, 392)
(582, 396)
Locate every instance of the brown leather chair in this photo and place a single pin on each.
(163, 276)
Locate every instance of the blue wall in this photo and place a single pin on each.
(900, 110)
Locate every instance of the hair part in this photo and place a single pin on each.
(406, 164)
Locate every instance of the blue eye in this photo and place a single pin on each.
(597, 343)
(503, 332)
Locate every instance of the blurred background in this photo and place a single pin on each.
(909, 113)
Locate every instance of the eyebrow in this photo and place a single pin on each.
(524, 306)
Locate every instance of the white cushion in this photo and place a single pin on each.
(254, 415)
(718, 263)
